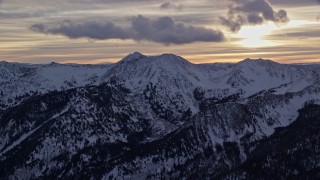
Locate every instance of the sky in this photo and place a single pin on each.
(202, 31)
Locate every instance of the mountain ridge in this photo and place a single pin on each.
(141, 55)
(148, 117)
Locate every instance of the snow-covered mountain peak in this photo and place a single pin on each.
(172, 59)
(159, 60)
(149, 68)
(133, 57)
(171, 74)
(154, 115)
(258, 67)
(253, 62)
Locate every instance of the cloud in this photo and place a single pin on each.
(170, 5)
(90, 30)
(251, 12)
(305, 34)
(162, 30)
(294, 3)
(166, 30)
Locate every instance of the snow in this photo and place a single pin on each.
(28, 134)
(175, 75)
(171, 81)
(21, 79)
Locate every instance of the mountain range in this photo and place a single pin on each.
(160, 117)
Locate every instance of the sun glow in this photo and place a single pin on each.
(255, 36)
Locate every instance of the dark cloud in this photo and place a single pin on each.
(295, 3)
(170, 5)
(166, 30)
(252, 12)
(234, 23)
(162, 30)
(90, 30)
(255, 19)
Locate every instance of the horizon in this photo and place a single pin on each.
(205, 31)
(147, 56)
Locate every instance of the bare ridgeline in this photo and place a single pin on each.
(160, 117)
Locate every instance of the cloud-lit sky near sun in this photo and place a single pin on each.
(202, 31)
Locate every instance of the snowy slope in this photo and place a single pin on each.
(145, 116)
(18, 81)
(174, 79)
(171, 74)
(248, 76)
